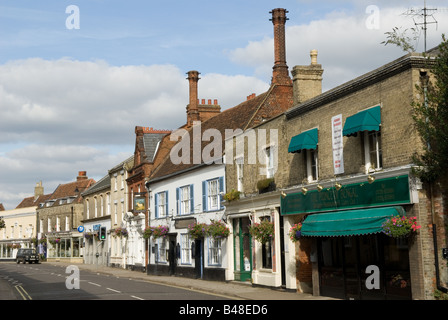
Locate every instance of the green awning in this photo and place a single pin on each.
(367, 120)
(348, 223)
(305, 140)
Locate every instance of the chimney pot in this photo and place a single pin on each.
(215, 102)
(82, 175)
(313, 55)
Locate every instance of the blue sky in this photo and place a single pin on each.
(71, 98)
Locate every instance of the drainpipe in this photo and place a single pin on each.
(425, 78)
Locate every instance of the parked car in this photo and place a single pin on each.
(27, 255)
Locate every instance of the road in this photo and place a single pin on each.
(48, 282)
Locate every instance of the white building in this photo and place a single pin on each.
(179, 200)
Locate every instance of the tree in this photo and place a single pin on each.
(431, 119)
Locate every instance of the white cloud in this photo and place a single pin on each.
(62, 116)
(347, 47)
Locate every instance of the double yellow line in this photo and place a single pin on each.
(23, 293)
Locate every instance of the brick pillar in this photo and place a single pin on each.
(280, 74)
(192, 108)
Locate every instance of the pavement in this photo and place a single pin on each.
(226, 289)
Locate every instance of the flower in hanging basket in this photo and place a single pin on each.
(295, 232)
(198, 230)
(218, 229)
(120, 232)
(263, 231)
(43, 240)
(400, 226)
(2, 224)
(54, 241)
(147, 233)
(160, 231)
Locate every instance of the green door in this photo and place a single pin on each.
(242, 249)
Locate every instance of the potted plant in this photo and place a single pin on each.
(198, 230)
(232, 195)
(398, 226)
(266, 185)
(218, 229)
(295, 232)
(263, 231)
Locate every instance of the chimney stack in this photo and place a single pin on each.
(280, 74)
(38, 190)
(197, 111)
(307, 80)
(82, 175)
(192, 108)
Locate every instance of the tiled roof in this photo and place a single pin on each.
(102, 184)
(243, 116)
(32, 202)
(71, 191)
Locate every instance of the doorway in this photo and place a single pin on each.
(172, 255)
(242, 249)
(198, 258)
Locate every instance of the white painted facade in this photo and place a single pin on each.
(177, 211)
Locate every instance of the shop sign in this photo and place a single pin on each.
(388, 191)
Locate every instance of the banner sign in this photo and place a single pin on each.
(338, 147)
(388, 191)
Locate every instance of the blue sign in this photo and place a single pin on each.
(96, 227)
(80, 228)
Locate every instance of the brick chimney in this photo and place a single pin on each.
(82, 175)
(307, 80)
(192, 107)
(280, 74)
(38, 190)
(199, 111)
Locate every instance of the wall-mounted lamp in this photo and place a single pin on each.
(304, 190)
(370, 178)
(337, 186)
(319, 188)
(283, 194)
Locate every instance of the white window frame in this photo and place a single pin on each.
(160, 256)
(214, 251)
(376, 164)
(186, 242)
(269, 154)
(185, 200)
(239, 161)
(312, 165)
(161, 204)
(213, 195)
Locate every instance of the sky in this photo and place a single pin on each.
(77, 77)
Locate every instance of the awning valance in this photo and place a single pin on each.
(349, 223)
(305, 140)
(367, 120)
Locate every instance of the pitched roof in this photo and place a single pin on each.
(32, 201)
(243, 116)
(102, 184)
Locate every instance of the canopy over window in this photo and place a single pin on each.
(349, 223)
(305, 140)
(367, 120)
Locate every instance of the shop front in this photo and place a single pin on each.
(353, 258)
